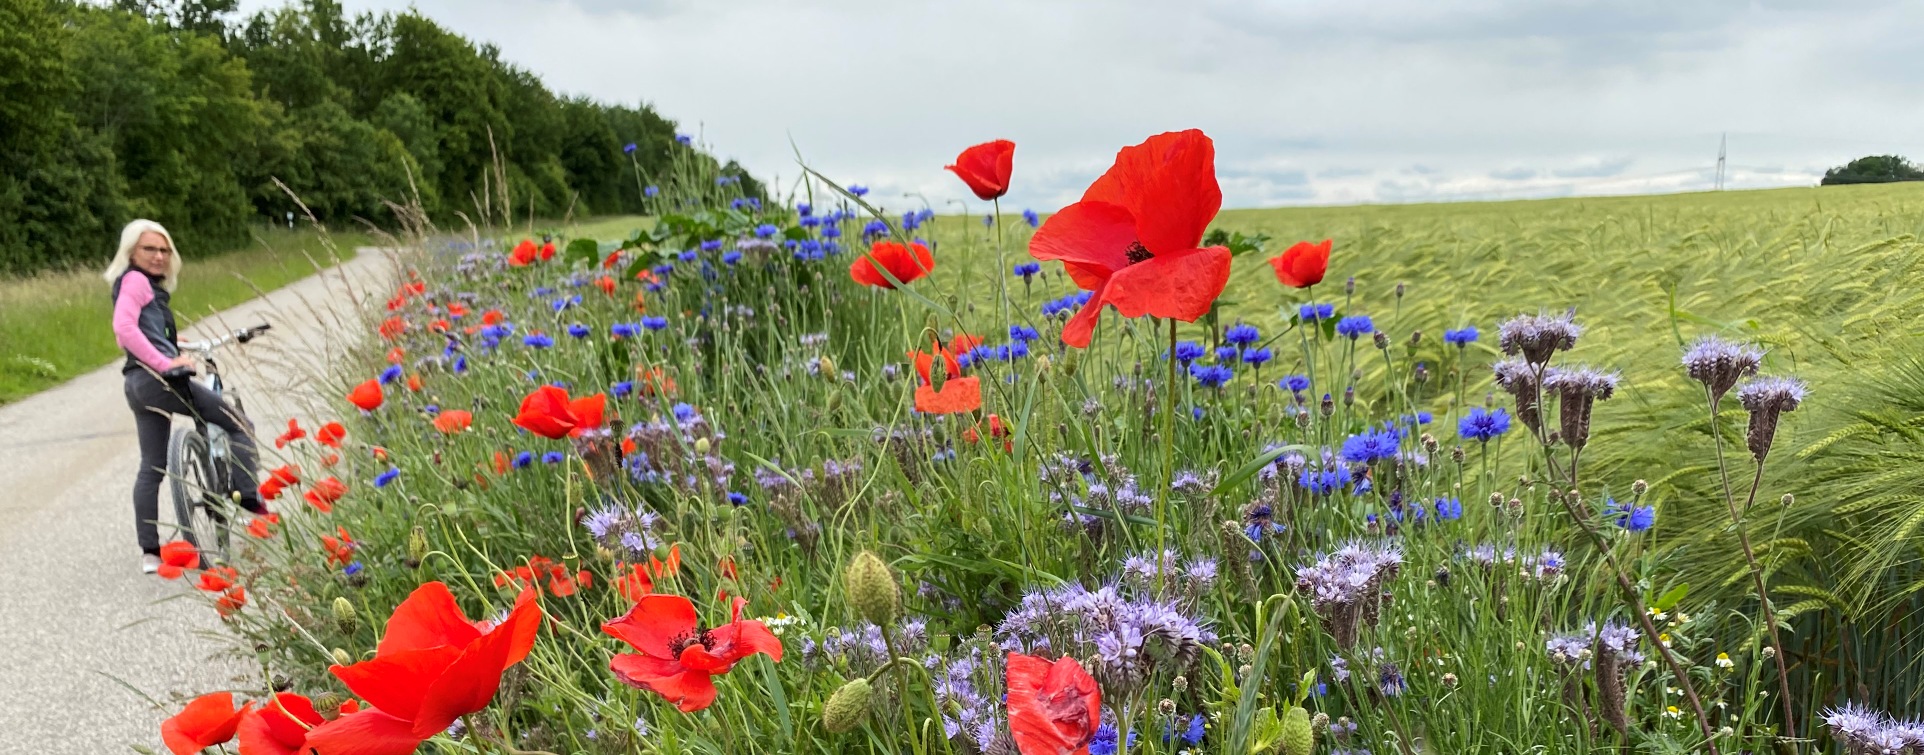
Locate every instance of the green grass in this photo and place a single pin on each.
(54, 325)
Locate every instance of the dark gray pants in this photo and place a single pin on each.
(154, 402)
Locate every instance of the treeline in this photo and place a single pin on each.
(187, 113)
(1875, 169)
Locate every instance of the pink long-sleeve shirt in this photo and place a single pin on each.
(135, 293)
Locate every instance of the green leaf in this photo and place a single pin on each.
(585, 250)
(1672, 598)
(1243, 473)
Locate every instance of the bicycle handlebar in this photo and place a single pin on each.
(243, 335)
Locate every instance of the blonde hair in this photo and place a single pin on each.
(123, 259)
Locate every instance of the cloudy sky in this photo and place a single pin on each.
(1310, 101)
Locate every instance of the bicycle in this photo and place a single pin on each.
(198, 459)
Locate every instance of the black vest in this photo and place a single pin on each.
(156, 320)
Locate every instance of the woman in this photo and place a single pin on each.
(144, 273)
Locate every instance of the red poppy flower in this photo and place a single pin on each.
(549, 413)
(453, 421)
(287, 474)
(396, 355)
(523, 254)
(177, 557)
(500, 462)
(325, 492)
(1054, 708)
(260, 526)
(654, 381)
(985, 168)
(367, 395)
(391, 328)
(633, 582)
(271, 489)
(609, 261)
(431, 667)
(491, 317)
(294, 433)
(457, 310)
(547, 251)
(1302, 265)
(606, 284)
(340, 550)
(218, 578)
(1133, 238)
(958, 395)
(439, 325)
(414, 383)
(677, 659)
(330, 459)
(231, 601)
(207, 721)
(330, 434)
(906, 263)
(279, 726)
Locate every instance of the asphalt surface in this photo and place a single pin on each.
(94, 654)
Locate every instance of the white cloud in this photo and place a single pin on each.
(1313, 101)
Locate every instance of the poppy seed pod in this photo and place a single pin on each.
(872, 589)
(848, 706)
(344, 618)
(417, 547)
(1299, 737)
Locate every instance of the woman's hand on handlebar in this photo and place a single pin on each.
(183, 361)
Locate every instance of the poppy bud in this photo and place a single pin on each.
(827, 367)
(328, 704)
(848, 706)
(341, 658)
(1299, 738)
(872, 589)
(1069, 363)
(701, 446)
(344, 618)
(417, 547)
(834, 402)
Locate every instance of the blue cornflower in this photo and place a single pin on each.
(875, 228)
(804, 209)
(857, 189)
(831, 231)
(690, 255)
(1257, 356)
(664, 270)
(1196, 413)
(628, 149)
(810, 221)
(911, 220)
(523, 459)
(1242, 335)
(352, 568)
(988, 220)
(1189, 351)
(622, 389)
(1355, 326)
(1483, 425)
(1463, 337)
(1031, 218)
(391, 374)
(1449, 509)
(731, 258)
(1023, 333)
(1211, 375)
(650, 191)
(1226, 354)
(381, 480)
(564, 303)
(1631, 518)
(537, 340)
(1191, 734)
(1027, 270)
(553, 457)
(624, 330)
(1325, 481)
(654, 323)
(685, 412)
(1295, 383)
(737, 498)
(684, 139)
(460, 364)
(766, 230)
(1315, 312)
(579, 330)
(1369, 446)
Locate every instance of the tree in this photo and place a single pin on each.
(1873, 170)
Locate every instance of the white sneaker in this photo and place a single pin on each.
(149, 563)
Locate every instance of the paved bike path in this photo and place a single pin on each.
(80, 627)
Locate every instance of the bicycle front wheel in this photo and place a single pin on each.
(199, 509)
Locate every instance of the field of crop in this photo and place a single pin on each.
(721, 485)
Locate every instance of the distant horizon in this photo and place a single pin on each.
(1317, 103)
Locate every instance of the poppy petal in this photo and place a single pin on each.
(1168, 184)
(588, 411)
(206, 721)
(744, 638)
(958, 395)
(1182, 286)
(1077, 331)
(545, 413)
(470, 682)
(1094, 235)
(398, 682)
(368, 732)
(652, 623)
(428, 618)
(690, 691)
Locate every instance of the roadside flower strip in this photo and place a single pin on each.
(819, 493)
